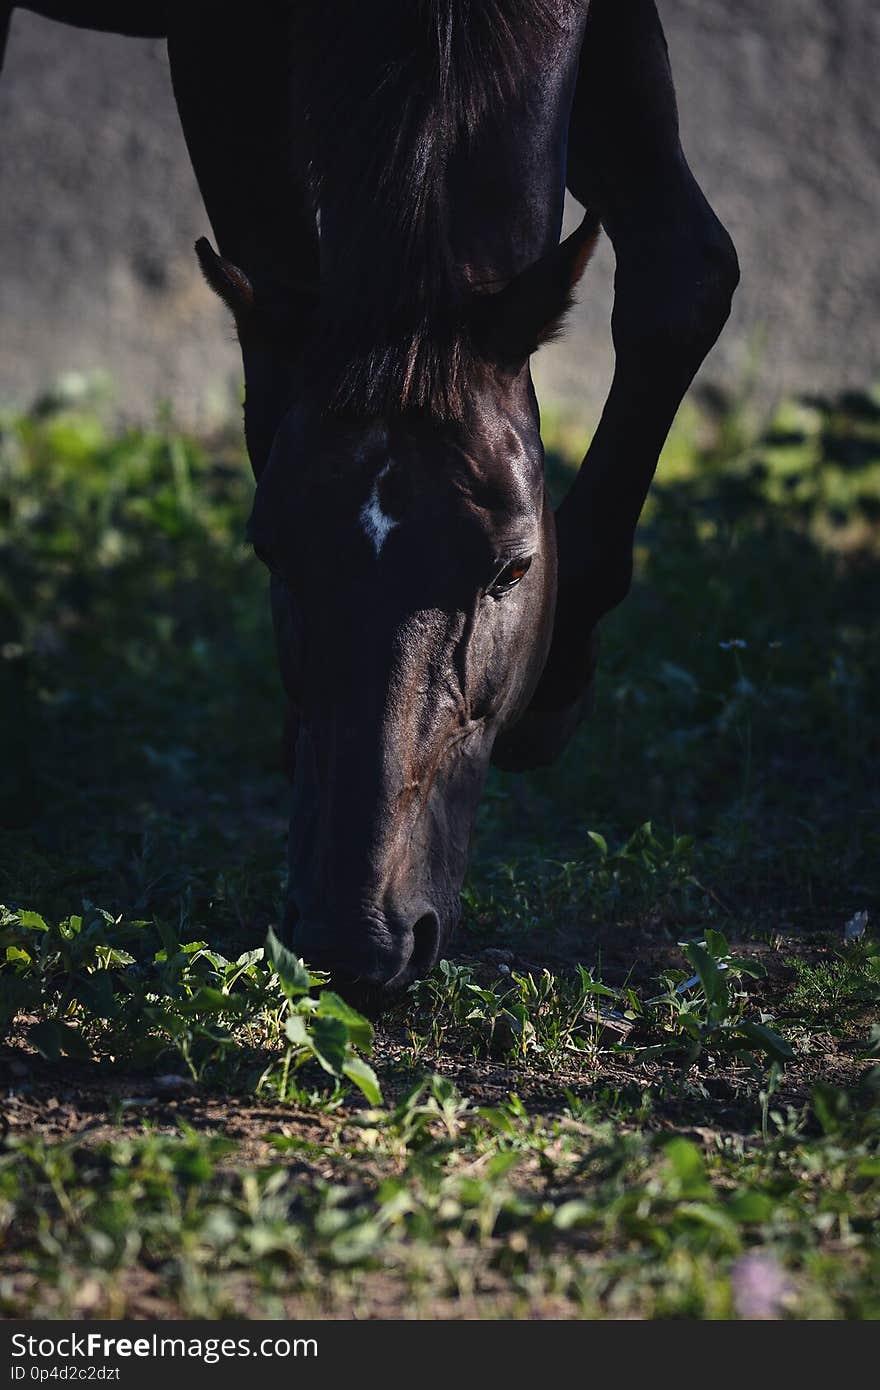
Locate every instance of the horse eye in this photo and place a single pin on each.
(510, 575)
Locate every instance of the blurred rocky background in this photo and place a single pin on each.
(99, 210)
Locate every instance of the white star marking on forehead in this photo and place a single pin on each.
(376, 523)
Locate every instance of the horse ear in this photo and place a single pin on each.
(509, 326)
(226, 280)
(271, 311)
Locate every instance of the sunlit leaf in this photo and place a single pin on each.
(360, 1029)
(32, 920)
(362, 1075)
(329, 1039)
(295, 978)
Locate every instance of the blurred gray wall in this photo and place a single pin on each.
(781, 123)
(99, 210)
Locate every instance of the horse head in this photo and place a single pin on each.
(413, 582)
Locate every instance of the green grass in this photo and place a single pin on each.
(441, 1203)
(646, 1082)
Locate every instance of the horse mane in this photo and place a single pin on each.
(386, 91)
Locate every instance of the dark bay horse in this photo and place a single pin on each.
(385, 180)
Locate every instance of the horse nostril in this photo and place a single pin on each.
(360, 960)
(426, 946)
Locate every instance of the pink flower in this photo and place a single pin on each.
(760, 1287)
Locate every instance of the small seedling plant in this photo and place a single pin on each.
(522, 1015)
(95, 987)
(706, 1012)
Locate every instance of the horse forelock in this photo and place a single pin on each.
(386, 91)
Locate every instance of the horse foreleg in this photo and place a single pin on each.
(676, 273)
(232, 86)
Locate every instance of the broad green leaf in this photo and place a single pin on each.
(765, 1038)
(168, 937)
(747, 967)
(750, 1208)
(705, 969)
(363, 1076)
(716, 944)
(251, 957)
(686, 1162)
(360, 1029)
(501, 1163)
(497, 1119)
(690, 1025)
(296, 1030)
(32, 920)
(599, 841)
(713, 1217)
(396, 1201)
(193, 1165)
(591, 986)
(213, 1002)
(356, 1243)
(295, 978)
(111, 956)
(574, 1213)
(329, 1040)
